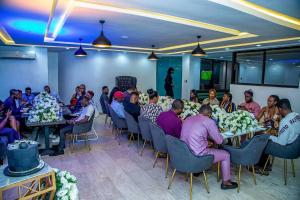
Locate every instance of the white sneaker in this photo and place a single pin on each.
(56, 140)
(52, 136)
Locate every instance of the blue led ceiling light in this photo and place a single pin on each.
(32, 26)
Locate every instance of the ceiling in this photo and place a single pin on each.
(135, 25)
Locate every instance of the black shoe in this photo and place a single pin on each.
(228, 187)
(57, 153)
(196, 174)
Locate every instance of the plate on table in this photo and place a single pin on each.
(228, 134)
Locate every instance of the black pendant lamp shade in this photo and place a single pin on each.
(152, 56)
(101, 40)
(80, 52)
(198, 51)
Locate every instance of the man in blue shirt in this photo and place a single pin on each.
(10, 103)
(28, 96)
(117, 104)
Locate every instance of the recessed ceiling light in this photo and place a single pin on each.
(124, 37)
(270, 59)
(247, 60)
(98, 49)
(221, 57)
(67, 48)
(227, 49)
(258, 45)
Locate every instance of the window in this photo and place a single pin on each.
(283, 67)
(274, 67)
(214, 74)
(250, 67)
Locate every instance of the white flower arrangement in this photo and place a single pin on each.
(190, 109)
(66, 188)
(165, 102)
(45, 109)
(239, 121)
(143, 98)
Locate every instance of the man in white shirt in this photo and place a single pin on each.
(90, 94)
(289, 127)
(85, 115)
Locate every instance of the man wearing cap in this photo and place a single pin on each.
(117, 104)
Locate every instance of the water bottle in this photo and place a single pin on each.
(60, 113)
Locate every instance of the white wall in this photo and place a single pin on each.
(261, 93)
(18, 74)
(190, 74)
(101, 68)
(53, 70)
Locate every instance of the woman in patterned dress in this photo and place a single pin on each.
(151, 110)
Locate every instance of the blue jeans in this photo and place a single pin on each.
(11, 134)
(62, 133)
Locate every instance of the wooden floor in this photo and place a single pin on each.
(113, 172)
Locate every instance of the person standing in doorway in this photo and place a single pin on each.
(169, 82)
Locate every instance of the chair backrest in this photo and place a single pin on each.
(117, 121)
(107, 108)
(144, 125)
(132, 125)
(290, 151)
(84, 127)
(158, 138)
(253, 150)
(183, 159)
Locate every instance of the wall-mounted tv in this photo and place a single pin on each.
(206, 75)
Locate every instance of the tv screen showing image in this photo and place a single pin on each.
(206, 75)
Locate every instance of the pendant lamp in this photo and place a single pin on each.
(198, 51)
(80, 52)
(152, 56)
(101, 40)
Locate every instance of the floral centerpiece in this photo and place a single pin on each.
(66, 188)
(190, 109)
(45, 109)
(235, 122)
(143, 98)
(165, 102)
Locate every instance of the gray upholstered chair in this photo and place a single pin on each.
(107, 115)
(183, 160)
(82, 130)
(290, 151)
(145, 131)
(133, 127)
(253, 151)
(159, 143)
(3, 145)
(119, 124)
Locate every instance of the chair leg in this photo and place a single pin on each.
(293, 168)
(143, 147)
(156, 157)
(171, 179)
(191, 186)
(253, 173)
(285, 171)
(106, 117)
(130, 139)
(266, 163)
(109, 123)
(205, 180)
(88, 142)
(218, 173)
(239, 178)
(119, 135)
(167, 165)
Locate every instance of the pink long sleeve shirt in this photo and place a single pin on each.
(252, 107)
(195, 132)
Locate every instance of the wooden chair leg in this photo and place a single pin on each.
(218, 172)
(143, 147)
(191, 186)
(253, 173)
(130, 139)
(239, 178)
(293, 168)
(167, 165)
(266, 163)
(156, 157)
(205, 180)
(285, 171)
(171, 179)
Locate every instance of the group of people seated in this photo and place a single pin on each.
(200, 132)
(11, 122)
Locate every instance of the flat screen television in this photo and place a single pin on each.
(206, 75)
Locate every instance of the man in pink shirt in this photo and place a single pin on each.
(250, 105)
(195, 133)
